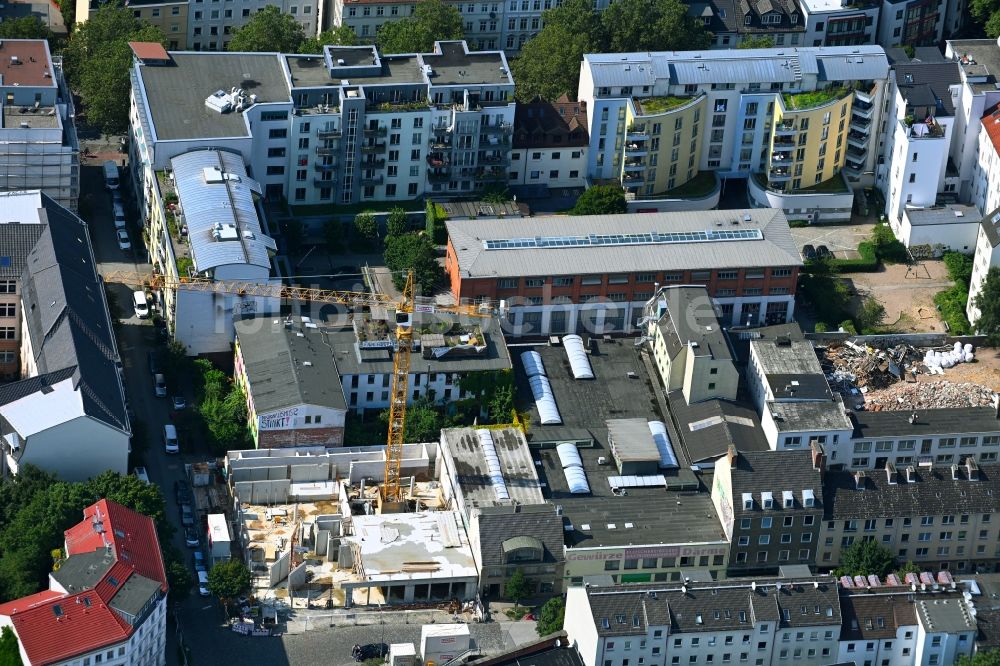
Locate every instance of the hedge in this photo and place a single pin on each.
(867, 263)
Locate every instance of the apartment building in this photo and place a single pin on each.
(564, 274)
(39, 148)
(920, 139)
(286, 370)
(796, 406)
(769, 503)
(550, 144)
(343, 127)
(919, 22)
(204, 25)
(689, 347)
(106, 601)
(985, 258)
(938, 517)
(765, 621)
(839, 22)
(66, 414)
(730, 23)
(657, 120)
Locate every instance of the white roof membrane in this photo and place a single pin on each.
(668, 459)
(545, 401)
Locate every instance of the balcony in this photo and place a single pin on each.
(371, 163)
(866, 97)
(323, 182)
(325, 167)
(496, 128)
(636, 149)
(785, 129)
(438, 177)
(329, 133)
(441, 129)
(781, 154)
(924, 130)
(857, 139)
(371, 180)
(325, 150)
(635, 165)
(635, 134)
(495, 141)
(437, 144)
(438, 161)
(375, 131)
(487, 175)
(861, 125)
(373, 148)
(863, 110)
(776, 175)
(633, 179)
(853, 167)
(495, 159)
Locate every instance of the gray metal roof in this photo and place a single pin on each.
(811, 415)
(947, 214)
(689, 316)
(212, 206)
(830, 63)
(633, 441)
(66, 314)
(175, 95)
(929, 422)
(472, 472)
(288, 365)
(134, 594)
(708, 428)
(928, 84)
(776, 248)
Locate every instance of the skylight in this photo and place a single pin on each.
(599, 240)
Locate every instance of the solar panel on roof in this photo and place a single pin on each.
(599, 240)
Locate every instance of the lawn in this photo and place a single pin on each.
(700, 186)
(661, 104)
(809, 100)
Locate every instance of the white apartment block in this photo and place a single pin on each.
(987, 256)
(840, 22)
(39, 149)
(550, 144)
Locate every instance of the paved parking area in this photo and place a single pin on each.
(841, 239)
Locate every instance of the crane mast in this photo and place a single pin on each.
(400, 392)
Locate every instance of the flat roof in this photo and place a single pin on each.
(288, 363)
(176, 94)
(950, 614)
(810, 415)
(26, 62)
(519, 475)
(633, 440)
(454, 64)
(983, 63)
(939, 421)
(404, 546)
(40, 118)
(706, 429)
(634, 242)
(946, 214)
(688, 316)
(216, 195)
(785, 356)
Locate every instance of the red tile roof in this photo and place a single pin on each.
(991, 123)
(149, 51)
(54, 626)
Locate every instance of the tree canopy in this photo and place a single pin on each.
(98, 60)
(10, 653)
(417, 253)
(341, 35)
(549, 63)
(759, 42)
(397, 222)
(864, 558)
(517, 587)
(229, 579)
(432, 20)
(551, 616)
(269, 30)
(601, 200)
(981, 658)
(987, 14)
(987, 301)
(25, 27)
(423, 423)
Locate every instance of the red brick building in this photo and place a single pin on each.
(593, 273)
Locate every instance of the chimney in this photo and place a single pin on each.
(731, 456)
(818, 457)
(891, 475)
(972, 467)
(911, 474)
(859, 480)
(954, 473)
(913, 418)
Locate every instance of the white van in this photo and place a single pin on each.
(139, 304)
(111, 180)
(140, 473)
(119, 215)
(170, 444)
(159, 386)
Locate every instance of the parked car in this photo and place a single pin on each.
(187, 516)
(191, 539)
(170, 442)
(808, 252)
(155, 362)
(183, 496)
(160, 386)
(199, 561)
(124, 244)
(140, 473)
(119, 213)
(178, 402)
(823, 252)
(203, 584)
(139, 304)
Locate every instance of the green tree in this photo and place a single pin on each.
(179, 578)
(10, 653)
(909, 567)
(423, 422)
(864, 558)
(268, 30)
(25, 27)
(366, 228)
(651, 25)
(518, 587)
(981, 658)
(333, 235)
(229, 579)
(432, 20)
(397, 223)
(341, 35)
(501, 404)
(870, 314)
(226, 420)
(987, 301)
(496, 195)
(759, 42)
(827, 294)
(549, 63)
(601, 200)
(294, 233)
(98, 60)
(417, 253)
(129, 491)
(551, 616)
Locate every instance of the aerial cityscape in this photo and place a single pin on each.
(515, 333)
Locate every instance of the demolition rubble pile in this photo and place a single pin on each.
(883, 379)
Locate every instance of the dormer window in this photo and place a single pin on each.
(747, 19)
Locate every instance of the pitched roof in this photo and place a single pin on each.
(67, 317)
(927, 84)
(688, 315)
(869, 617)
(149, 51)
(758, 472)
(17, 241)
(708, 428)
(54, 627)
(932, 492)
(558, 124)
(991, 124)
(538, 521)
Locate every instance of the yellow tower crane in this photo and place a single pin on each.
(404, 309)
